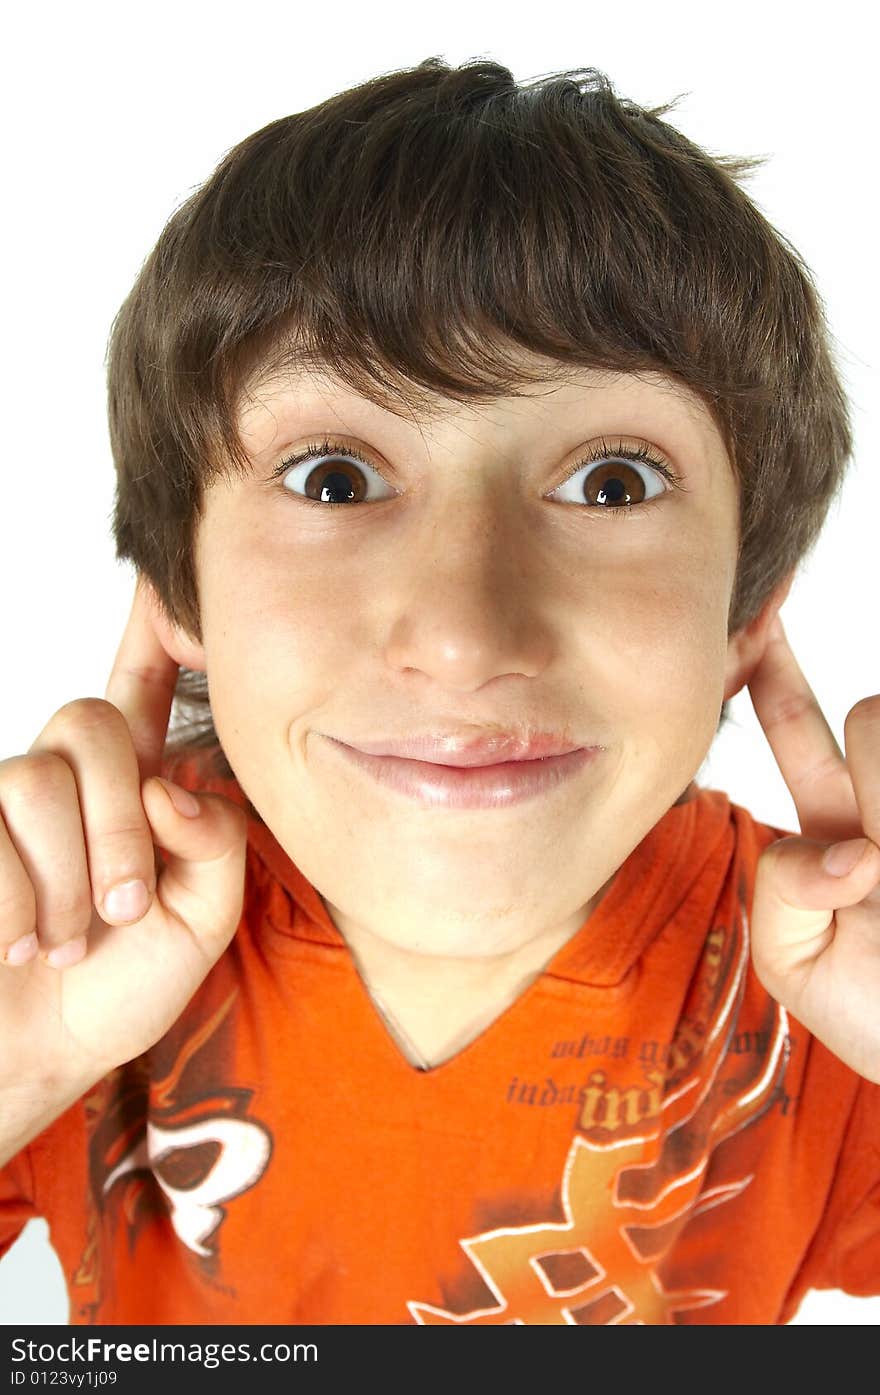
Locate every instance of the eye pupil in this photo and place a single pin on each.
(613, 492)
(336, 484)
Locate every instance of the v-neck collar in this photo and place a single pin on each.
(647, 891)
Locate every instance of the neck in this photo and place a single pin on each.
(435, 1004)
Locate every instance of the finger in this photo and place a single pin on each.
(794, 904)
(42, 821)
(802, 742)
(18, 909)
(202, 883)
(861, 733)
(93, 738)
(142, 682)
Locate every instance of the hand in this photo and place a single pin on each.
(81, 990)
(816, 937)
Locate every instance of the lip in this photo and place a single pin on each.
(463, 751)
(495, 786)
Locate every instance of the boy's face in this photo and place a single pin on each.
(465, 600)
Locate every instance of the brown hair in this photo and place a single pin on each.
(404, 234)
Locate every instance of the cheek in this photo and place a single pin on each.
(275, 643)
(667, 644)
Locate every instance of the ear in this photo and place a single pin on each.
(746, 647)
(181, 647)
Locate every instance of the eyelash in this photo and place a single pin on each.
(601, 450)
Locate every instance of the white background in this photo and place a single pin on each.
(112, 114)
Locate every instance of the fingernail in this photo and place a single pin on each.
(128, 901)
(184, 802)
(21, 951)
(840, 859)
(62, 956)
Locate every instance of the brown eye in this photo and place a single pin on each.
(336, 482)
(611, 483)
(324, 475)
(614, 484)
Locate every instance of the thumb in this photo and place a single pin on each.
(203, 839)
(795, 900)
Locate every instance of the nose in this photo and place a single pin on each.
(473, 599)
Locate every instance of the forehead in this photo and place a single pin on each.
(277, 399)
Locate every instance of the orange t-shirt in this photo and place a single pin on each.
(644, 1135)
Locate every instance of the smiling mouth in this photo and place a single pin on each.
(499, 785)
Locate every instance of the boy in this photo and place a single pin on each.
(452, 998)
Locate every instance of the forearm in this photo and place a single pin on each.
(26, 1111)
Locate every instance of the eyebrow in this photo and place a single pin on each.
(428, 408)
(425, 404)
(310, 363)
